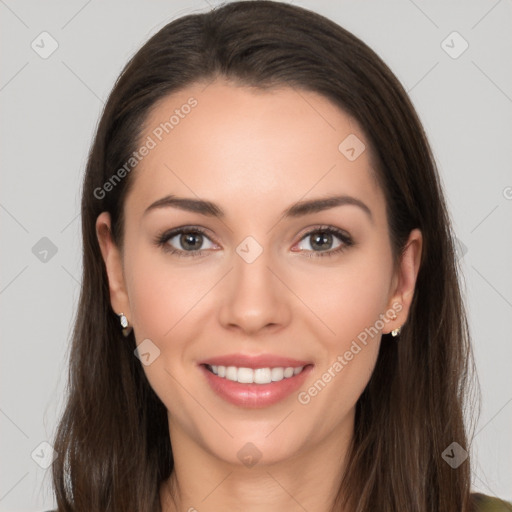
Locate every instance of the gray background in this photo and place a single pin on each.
(49, 111)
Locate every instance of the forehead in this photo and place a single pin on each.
(242, 147)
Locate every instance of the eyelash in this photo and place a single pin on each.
(162, 239)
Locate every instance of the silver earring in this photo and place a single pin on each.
(124, 324)
(396, 332)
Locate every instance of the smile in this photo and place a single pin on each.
(254, 375)
(255, 387)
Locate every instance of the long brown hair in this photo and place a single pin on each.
(113, 438)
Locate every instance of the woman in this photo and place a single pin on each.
(270, 315)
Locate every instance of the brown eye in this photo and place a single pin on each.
(190, 241)
(185, 242)
(326, 241)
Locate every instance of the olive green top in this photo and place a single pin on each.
(484, 503)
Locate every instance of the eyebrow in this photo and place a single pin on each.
(298, 209)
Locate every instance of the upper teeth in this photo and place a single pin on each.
(256, 376)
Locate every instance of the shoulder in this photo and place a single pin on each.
(484, 503)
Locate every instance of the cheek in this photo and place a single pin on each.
(348, 298)
(350, 306)
(163, 301)
(161, 294)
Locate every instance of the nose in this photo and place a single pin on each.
(255, 297)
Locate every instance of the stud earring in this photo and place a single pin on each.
(124, 324)
(396, 332)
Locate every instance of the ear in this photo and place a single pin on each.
(404, 280)
(114, 266)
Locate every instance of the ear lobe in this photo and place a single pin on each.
(113, 264)
(405, 280)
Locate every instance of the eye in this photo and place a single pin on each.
(323, 238)
(189, 240)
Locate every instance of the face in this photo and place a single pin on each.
(258, 281)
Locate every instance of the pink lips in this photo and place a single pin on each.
(254, 395)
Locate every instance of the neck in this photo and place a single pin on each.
(309, 480)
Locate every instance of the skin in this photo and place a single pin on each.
(255, 153)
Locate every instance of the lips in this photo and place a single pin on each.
(253, 394)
